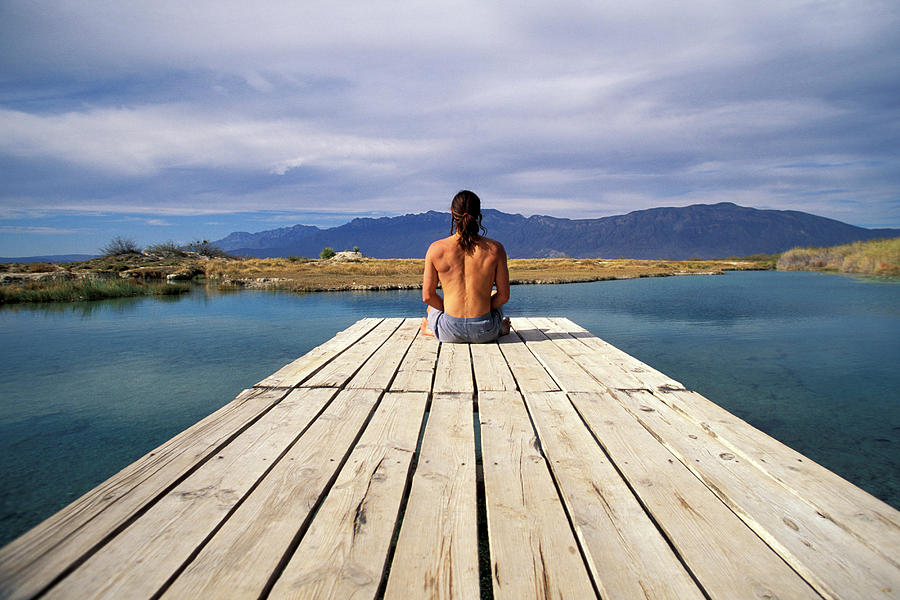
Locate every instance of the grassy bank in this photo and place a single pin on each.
(84, 289)
(303, 275)
(135, 274)
(874, 257)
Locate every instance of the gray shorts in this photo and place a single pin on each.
(462, 330)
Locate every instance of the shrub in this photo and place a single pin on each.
(119, 246)
(169, 248)
(204, 248)
(326, 253)
(84, 289)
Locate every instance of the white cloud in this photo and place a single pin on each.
(146, 140)
(575, 108)
(19, 229)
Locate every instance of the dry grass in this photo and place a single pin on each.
(874, 257)
(307, 275)
(321, 275)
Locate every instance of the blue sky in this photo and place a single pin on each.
(179, 121)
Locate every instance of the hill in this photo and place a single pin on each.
(700, 230)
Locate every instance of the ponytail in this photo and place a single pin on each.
(465, 211)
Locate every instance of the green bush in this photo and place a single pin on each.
(84, 289)
(326, 253)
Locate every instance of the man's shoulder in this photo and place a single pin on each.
(493, 245)
(440, 245)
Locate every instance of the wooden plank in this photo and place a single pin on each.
(832, 560)
(725, 556)
(416, 372)
(627, 555)
(491, 371)
(239, 559)
(138, 561)
(454, 370)
(378, 371)
(874, 522)
(436, 554)
(337, 372)
(294, 373)
(533, 549)
(565, 370)
(530, 374)
(598, 366)
(343, 553)
(37, 558)
(650, 377)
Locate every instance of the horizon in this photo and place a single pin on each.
(185, 242)
(158, 123)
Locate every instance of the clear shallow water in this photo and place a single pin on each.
(87, 388)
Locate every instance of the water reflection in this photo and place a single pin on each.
(88, 387)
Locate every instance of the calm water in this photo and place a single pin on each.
(87, 388)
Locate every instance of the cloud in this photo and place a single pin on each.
(575, 109)
(18, 229)
(147, 140)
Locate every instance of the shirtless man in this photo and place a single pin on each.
(468, 266)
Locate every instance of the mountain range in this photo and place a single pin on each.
(697, 231)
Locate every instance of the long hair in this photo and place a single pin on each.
(465, 211)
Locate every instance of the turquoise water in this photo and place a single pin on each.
(88, 388)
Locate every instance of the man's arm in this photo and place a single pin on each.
(430, 281)
(501, 279)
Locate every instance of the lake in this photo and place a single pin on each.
(88, 388)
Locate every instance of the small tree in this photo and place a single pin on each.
(326, 253)
(169, 248)
(119, 246)
(356, 248)
(204, 248)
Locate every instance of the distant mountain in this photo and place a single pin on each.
(701, 230)
(48, 258)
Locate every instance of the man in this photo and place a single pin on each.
(468, 266)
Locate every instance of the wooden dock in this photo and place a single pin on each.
(384, 464)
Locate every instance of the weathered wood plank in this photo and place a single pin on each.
(727, 558)
(491, 371)
(832, 560)
(567, 372)
(378, 371)
(295, 372)
(138, 561)
(600, 367)
(454, 370)
(649, 377)
(343, 553)
(533, 547)
(437, 550)
(416, 372)
(239, 559)
(625, 552)
(337, 372)
(530, 374)
(874, 522)
(37, 558)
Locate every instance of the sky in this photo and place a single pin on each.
(180, 121)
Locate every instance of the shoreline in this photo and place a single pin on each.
(44, 283)
(285, 284)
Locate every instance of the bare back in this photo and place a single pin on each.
(466, 279)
